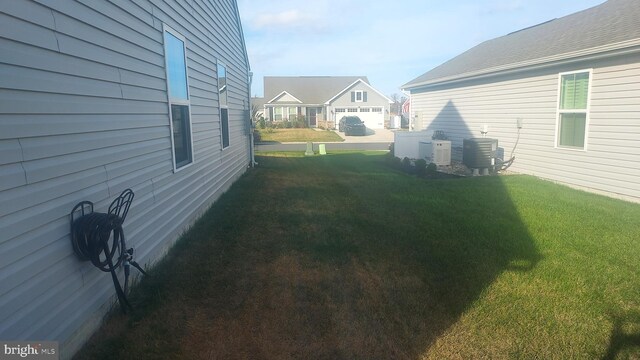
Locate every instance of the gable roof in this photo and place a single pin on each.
(613, 25)
(352, 85)
(285, 95)
(312, 90)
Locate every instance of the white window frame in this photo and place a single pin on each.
(359, 93)
(171, 101)
(586, 111)
(226, 106)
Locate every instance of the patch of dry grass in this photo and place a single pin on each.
(338, 257)
(298, 135)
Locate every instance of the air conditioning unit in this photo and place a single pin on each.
(436, 151)
(479, 153)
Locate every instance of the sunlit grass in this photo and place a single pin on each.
(298, 135)
(341, 257)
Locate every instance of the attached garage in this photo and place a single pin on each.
(373, 117)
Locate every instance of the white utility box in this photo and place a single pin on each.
(436, 151)
(407, 143)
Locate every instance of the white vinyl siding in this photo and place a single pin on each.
(84, 115)
(609, 166)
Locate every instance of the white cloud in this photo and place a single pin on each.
(391, 44)
(288, 19)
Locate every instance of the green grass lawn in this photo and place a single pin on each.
(298, 135)
(340, 257)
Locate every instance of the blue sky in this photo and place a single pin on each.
(390, 42)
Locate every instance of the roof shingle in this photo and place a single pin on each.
(614, 21)
(313, 90)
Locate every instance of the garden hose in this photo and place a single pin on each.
(99, 238)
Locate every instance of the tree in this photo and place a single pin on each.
(398, 100)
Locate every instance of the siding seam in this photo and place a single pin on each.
(24, 171)
(106, 182)
(153, 190)
(55, 26)
(120, 83)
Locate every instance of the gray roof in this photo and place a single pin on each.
(613, 22)
(257, 101)
(312, 90)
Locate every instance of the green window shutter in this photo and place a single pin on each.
(364, 96)
(353, 96)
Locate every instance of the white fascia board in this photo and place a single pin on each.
(283, 93)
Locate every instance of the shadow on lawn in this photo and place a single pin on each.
(385, 262)
(621, 338)
(332, 257)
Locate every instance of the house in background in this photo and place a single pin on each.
(97, 97)
(564, 94)
(324, 100)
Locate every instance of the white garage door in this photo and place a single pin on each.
(373, 117)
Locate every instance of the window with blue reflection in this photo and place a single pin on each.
(176, 67)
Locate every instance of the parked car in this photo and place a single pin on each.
(352, 125)
(341, 124)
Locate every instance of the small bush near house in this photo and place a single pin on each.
(421, 167)
(262, 123)
(431, 170)
(406, 165)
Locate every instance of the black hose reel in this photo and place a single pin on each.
(99, 238)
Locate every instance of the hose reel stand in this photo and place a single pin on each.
(99, 238)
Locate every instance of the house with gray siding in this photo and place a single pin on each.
(324, 100)
(563, 96)
(97, 97)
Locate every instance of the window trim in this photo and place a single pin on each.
(361, 93)
(220, 106)
(182, 102)
(586, 111)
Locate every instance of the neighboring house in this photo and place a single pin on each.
(571, 84)
(324, 100)
(97, 97)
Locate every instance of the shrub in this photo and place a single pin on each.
(431, 170)
(262, 123)
(421, 167)
(406, 165)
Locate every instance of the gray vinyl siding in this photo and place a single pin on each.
(610, 163)
(83, 116)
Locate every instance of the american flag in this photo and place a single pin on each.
(405, 106)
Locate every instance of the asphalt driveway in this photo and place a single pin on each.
(373, 136)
